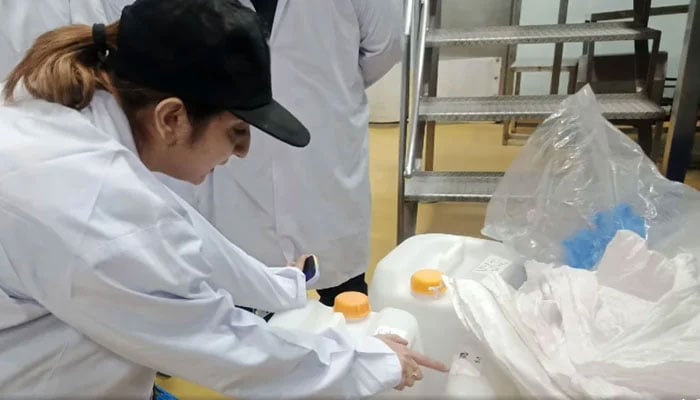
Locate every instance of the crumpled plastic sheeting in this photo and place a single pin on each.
(576, 165)
(631, 329)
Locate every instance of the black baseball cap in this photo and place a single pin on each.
(212, 52)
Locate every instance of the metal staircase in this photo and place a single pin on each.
(420, 112)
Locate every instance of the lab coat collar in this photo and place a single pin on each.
(107, 115)
(281, 4)
(104, 112)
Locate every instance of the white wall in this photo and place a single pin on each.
(546, 11)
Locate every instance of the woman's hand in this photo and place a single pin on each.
(411, 361)
(299, 264)
(308, 265)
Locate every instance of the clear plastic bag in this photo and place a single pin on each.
(577, 181)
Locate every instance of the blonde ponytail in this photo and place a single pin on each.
(63, 66)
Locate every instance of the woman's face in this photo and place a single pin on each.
(219, 138)
(190, 152)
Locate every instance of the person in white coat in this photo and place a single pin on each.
(282, 202)
(105, 274)
(22, 21)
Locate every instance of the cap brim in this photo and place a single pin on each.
(276, 121)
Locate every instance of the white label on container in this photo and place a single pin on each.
(466, 364)
(493, 264)
(385, 330)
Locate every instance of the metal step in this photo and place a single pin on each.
(541, 64)
(428, 187)
(515, 34)
(501, 108)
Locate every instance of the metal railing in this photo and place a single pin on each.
(421, 9)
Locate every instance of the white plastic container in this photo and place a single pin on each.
(352, 315)
(411, 278)
(467, 380)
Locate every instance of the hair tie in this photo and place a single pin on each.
(99, 38)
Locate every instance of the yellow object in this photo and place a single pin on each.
(353, 305)
(187, 391)
(428, 282)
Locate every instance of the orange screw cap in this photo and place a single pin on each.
(428, 282)
(353, 305)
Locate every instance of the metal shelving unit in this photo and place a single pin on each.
(451, 186)
(528, 34)
(419, 114)
(454, 109)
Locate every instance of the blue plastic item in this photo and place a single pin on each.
(160, 394)
(585, 248)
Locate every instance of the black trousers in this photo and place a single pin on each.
(356, 284)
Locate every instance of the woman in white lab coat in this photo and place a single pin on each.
(281, 201)
(22, 21)
(105, 274)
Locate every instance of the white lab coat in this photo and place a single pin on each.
(22, 21)
(107, 276)
(281, 202)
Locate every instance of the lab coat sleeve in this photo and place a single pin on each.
(276, 289)
(380, 36)
(260, 287)
(140, 296)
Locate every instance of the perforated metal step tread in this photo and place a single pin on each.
(451, 186)
(498, 108)
(514, 34)
(537, 64)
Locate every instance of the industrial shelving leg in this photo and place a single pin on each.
(411, 154)
(406, 66)
(506, 84)
(641, 47)
(684, 113)
(558, 49)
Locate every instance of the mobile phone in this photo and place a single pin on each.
(310, 267)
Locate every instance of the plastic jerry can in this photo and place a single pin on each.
(410, 278)
(466, 380)
(353, 315)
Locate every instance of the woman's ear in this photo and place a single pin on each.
(172, 122)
